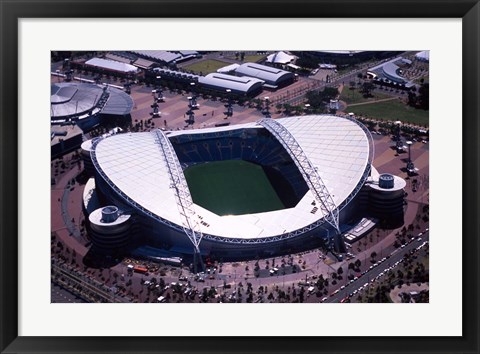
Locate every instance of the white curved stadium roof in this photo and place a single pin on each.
(337, 146)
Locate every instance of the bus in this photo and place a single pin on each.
(140, 269)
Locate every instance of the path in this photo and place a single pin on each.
(371, 102)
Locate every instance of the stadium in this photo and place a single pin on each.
(76, 108)
(85, 104)
(258, 189)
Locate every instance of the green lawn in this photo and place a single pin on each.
(355, 96)
(206, 66)
(232, 187)
(392, 110)
(253, 58)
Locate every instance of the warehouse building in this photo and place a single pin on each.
(273, 77)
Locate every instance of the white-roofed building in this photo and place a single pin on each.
(423, 56)
(161, 56)
(273, 77)
(112, 65)
(134, 172)
(280, 58)
(228, 68)
(391, 71)
(247, 86)
(115, 57)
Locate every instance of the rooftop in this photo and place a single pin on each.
(111, 65)
(262, 72)
(158, 55)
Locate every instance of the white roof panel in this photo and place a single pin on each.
(280, 58)
(266, 73)
(111, 65)
(158, 55)
(234, 83)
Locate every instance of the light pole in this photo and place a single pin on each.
(229, 112)
(267, 107)
(307, 108)
(154, 105)
(192, 99)
(160, 97)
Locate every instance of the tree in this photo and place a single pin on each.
(307, 62)
(298, 110)
(288, 108)
(320, 100)
(373, 255)
(423, 99)
(412, 99)
(367, 88)
(358, 263)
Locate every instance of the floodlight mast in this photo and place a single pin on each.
(183, 197)
(310, 175)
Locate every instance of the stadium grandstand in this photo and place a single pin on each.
(251, 190)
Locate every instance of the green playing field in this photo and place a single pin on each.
(232, 187)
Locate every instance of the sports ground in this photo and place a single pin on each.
(232, 187)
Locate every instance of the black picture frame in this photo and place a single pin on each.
(11, 11)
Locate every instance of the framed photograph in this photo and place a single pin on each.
(387, 88)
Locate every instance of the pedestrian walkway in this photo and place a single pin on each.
(372, 102)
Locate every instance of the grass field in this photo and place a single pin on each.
(355, 96)
(392, 110)
(206, 66)
(232, 187)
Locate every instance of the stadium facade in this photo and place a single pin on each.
(322, 163)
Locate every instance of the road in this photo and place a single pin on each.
(61, 295)
(395, 256)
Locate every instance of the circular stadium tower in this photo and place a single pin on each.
(237, 192)
(386, 197)
(110, 229)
